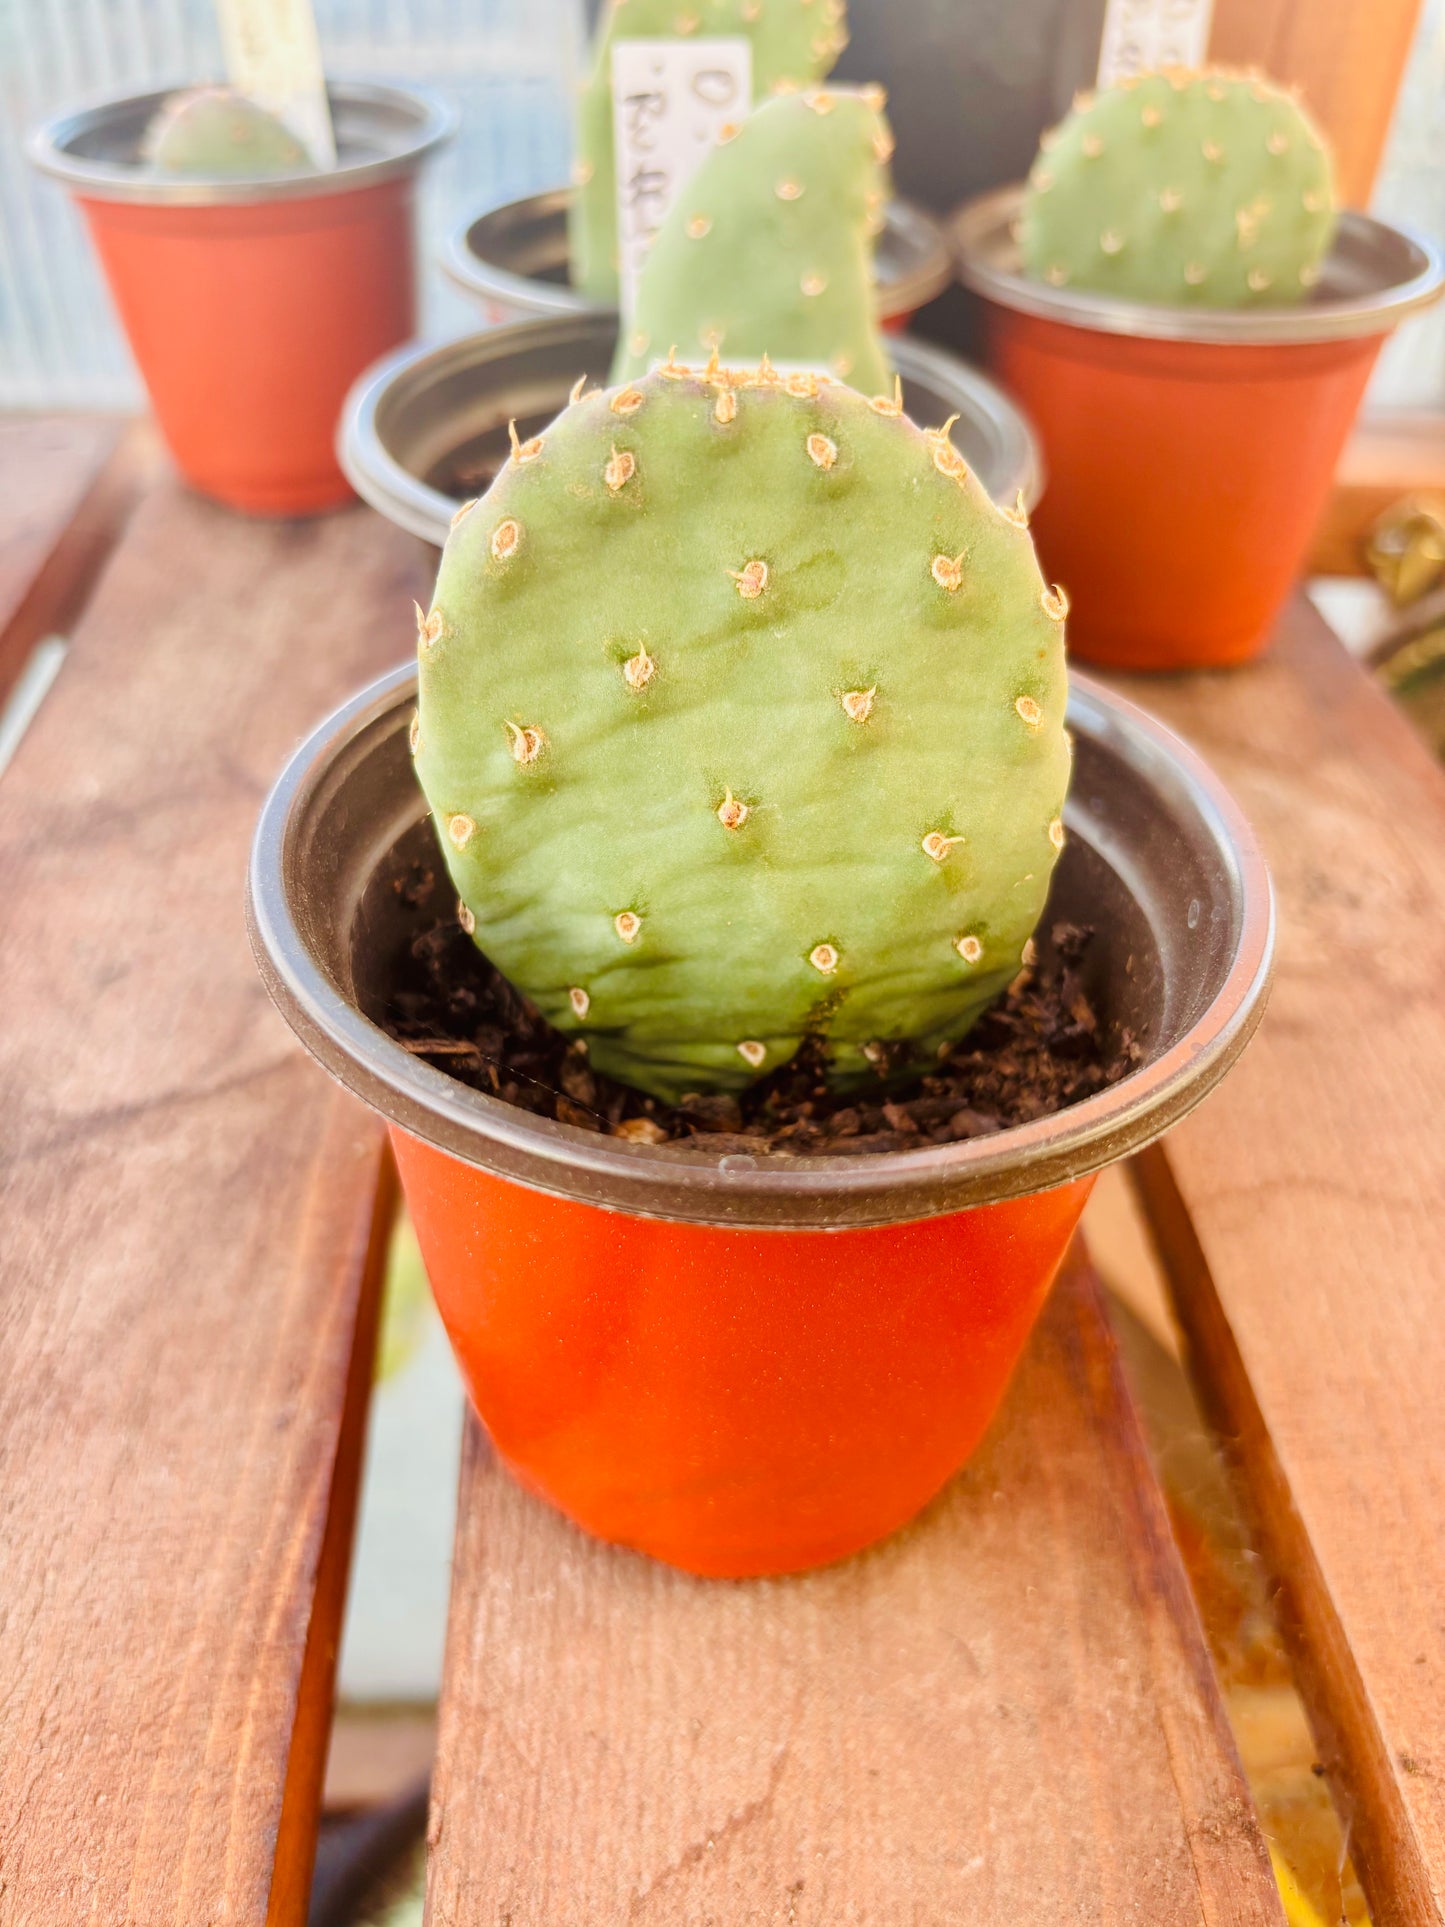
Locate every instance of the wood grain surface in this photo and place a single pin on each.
(1002, 1715)
(1302, 1213)
(1347, 57)
(67, 483)
(190, 1234)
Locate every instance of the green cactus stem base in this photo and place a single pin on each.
(1182, 189)
(769, 250)
(741, 719)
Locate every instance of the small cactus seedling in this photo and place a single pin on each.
(214, 132)
(1182, 189)
(793, 42)
(769, 249)
(741, 719)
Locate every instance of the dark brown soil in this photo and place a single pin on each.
(1041, 1048)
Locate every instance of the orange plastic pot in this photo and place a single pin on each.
(251, 307)
(739, 1363)
(1185, 479)
(1189, 453)
(733, 1402)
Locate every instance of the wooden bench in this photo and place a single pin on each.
(1005, 1715)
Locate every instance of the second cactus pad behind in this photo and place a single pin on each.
(741, 718)
(793, 41)
(769, 249)
(1182, 189)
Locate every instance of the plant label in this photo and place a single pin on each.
(1141, 36)
(273, 55)
(670, 100)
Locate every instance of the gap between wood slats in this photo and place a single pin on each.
(1300, 1214)
(1350, 1743)
(296, 1830)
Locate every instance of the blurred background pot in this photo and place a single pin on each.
(251, 306)
(745, 1364)
(1190, 451)
(513, 260)
(427, 428)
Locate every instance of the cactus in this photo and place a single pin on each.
(1182, 189)
(793, 41)
(741, 719)
(769, 248)
(214, 132)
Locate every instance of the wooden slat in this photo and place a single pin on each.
(190, 1235)
(1003, 1715)
(1346, 55)
(1302, 1211)
(66, 484)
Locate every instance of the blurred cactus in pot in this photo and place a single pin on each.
(1207, 189)
(769, 250)
(794, 42)
(741, 719)
(217, 133)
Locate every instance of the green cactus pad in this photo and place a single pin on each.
(214, 132)
(1181, 189)
(741, 718)
(793, 41)
(769, 248)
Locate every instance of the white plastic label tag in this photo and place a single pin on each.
(670, 98)
(273, 55)
(1140, 36)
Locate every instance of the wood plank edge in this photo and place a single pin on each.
(1226, 1843)
(1381, 1838)
(300, 1816)
(475, 1453)
(62, 586)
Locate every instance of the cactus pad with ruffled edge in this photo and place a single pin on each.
(793, 42)
(769, 248)
(1182, 189)
(215, 132)
(741, 718)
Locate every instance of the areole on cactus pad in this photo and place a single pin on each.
(769, 249)
(741, 717)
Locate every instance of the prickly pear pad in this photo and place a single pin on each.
(793, 41)
(214, 131)
(769, 249)
(1182, 189)
(741, 718)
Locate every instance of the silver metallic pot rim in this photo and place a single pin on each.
(300, 853)
(397, 493)
(1383, 273)
(394, 128)
(929, 273)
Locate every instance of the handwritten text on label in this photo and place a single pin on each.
(670, 100)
